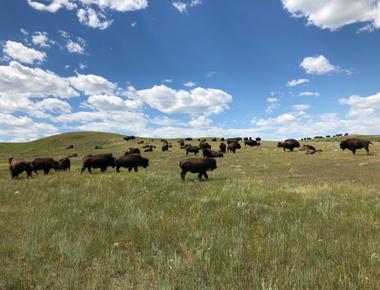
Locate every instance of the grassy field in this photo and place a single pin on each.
(265, 220)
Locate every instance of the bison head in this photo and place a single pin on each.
(211, 164)
(145, 162)
(279, 144)
(343, 145)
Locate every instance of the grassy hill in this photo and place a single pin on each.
(265, 220)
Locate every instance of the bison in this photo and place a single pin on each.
(192, 149)
(18, 166)
(197, 165)
(70, 147)
(251, 143)
(212, 154)
(64, 164)
(233, 146)
(308, 149)
(165, 147)
(131, 161)
(132, 150)
(45, 164)
(289, 144)
(222, 147)
(204, 145)
(101, 161)
(353, 144)
(128, 138)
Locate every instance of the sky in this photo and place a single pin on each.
(176, 68)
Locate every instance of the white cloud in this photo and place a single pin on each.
(197, 101)
(119, 5)
(301, 107)
(183, 6)
(309, 94)
(113, 103)
(74, 47)
(24, 31)
(50, 105)
(167, 81)
(317, 65)
(93, 19)
(18, 51)
(92, 84)
(272, 100)
(200, 122)
(297, 82)
(54, 5)
(41, 39)
(272, 104)
(362, 106)
(189, 84)
(82, 66)
(334, 14)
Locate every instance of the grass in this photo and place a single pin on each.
(265, 220)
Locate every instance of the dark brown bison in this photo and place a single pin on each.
(64, 164)
(214, 139)
(98, 147)
(212, 154)
(188, 139)
(128, 138)
(289, 144)
(140, 142)
(45, 164)
(18, 166)
(73, 155)
(149, 149)
(233, 146)
(131, 161)
(222, 147)
(70, 147)
(204, 145)
(101, 161)
(165, 147)
(258, 139)
(132, 150)
(251, 143)
(354, 144)
(192, 149)
(197, 165)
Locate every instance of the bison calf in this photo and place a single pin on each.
(197, 165)
(131, 161)
(64, 164)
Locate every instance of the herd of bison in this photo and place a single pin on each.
(132, 158)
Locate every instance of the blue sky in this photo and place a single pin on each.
(174, 68)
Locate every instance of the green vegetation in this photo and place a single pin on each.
(265, 220)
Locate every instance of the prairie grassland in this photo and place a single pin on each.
(265, 220)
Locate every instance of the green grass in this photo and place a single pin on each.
(265, 220)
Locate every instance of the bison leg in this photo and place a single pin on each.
(118, 168)
(187, 152)
(83, 169)
(103, 169)
(183, 174)
(129, 169)
(200, 176)
(353, 151)
(89, 169)
(46, 171)
(367, 149)
(136, 170)
(205, 175)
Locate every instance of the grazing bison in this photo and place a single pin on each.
(222, 147)
(64, 164)
(188, 139)
(131, 161)
(45, 164)
(132, 150)
(289, 144)
(101, 161)
(197, 165)
(70, 147)
(214, 140)
(354, 144)
(128, 138)
(251, 143)
(140, 142)
(18, 166)
(192, 149)
(150, 149)
(165, 147)
(233, 146)
(212, 154)
(204, 145)
(98, 147)
(73, 155)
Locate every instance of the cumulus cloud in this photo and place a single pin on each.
(119, 5)
(93, 19)
(334, 14)
(189, 84)
(319, 65)
(92, 84)
(54, 5)
(297, 82)
(362, 106)
(309, 94)
(74, 47)
(18, 51)
(201, 122)
(113, 103)
(41, 39)
(198, 101)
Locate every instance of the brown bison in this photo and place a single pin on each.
(64, 164)
(70, 147)
(204, 145)
(212, 154)
(128, 138)
(354, 144)
(140, 142)
(101, 161)
(222, 147)
(233, 146)
(308, 149)
(251, 143)
(132, 150)
(165, 147)
(289, 144)
(192, 149)
(45, 164)
(131, 161)
(18, 166)
(197, 165)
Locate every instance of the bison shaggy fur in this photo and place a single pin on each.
(197, 165)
